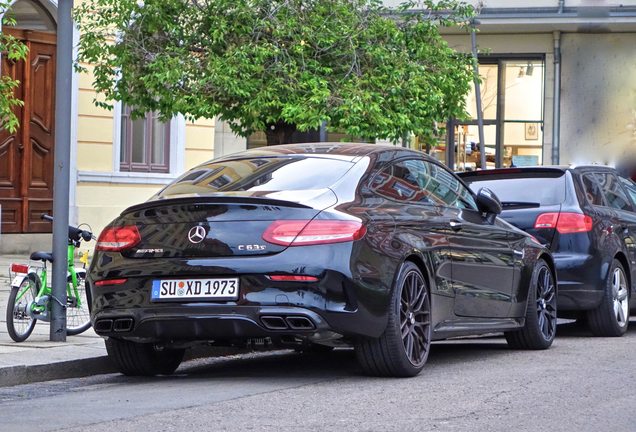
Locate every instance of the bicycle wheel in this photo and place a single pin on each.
(19, 323)
(78, 318)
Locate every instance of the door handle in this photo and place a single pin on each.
(455, 225)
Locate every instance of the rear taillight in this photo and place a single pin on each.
(314, 232)
(19, 268)
(564, 223)
(118, 238)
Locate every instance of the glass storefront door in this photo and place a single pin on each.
(512, 104)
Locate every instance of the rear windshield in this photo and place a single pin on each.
(537, 188)
(259, 174)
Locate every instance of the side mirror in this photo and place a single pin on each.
(487, 202)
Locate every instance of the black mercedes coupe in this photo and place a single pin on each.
(313, 246)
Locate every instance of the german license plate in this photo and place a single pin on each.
(195, 289)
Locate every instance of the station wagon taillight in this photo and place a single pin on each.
(565, 223)
(314, 232)
(117, 239)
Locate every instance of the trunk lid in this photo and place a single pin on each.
(226, 225)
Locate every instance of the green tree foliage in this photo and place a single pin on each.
(14, 50)
(278, 65)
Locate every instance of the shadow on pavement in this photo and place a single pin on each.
(576, 329)
(337, 364)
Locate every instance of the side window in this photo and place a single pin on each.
(592, 189)
(404, 181)
(614, 194)
(630, 187)
(448, 190)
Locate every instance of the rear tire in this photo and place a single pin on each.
(78, 318)
(314, 349)
(403, 348)
(20, 324)
(611, 317)
(541, 313)
(143, 359)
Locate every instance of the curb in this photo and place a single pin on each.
(17, 375)
(79, 368)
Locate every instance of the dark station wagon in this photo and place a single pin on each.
(586, 216)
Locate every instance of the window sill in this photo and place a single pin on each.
(125, 177)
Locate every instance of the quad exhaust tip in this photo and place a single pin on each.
(118, 325)
(278, 322)
(104, 326)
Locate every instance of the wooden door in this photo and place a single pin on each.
(26, 157)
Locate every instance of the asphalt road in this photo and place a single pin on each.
(581, 384)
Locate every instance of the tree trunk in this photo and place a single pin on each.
(279, 133)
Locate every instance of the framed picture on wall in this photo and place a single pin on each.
(532, 131)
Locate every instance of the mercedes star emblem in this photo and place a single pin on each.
(196, 234)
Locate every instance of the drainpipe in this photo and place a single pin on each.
(561, 5)
(480, 114)
(556, 113)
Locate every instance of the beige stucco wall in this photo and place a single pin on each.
(102, 202)
(94, 129)
(598, 109)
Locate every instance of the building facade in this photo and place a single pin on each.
(558, 86)
(558, 82)
(116, 161)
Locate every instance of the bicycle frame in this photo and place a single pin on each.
(40, 310)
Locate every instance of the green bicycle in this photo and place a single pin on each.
(30, 298)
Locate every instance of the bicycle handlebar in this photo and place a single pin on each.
(74, 233)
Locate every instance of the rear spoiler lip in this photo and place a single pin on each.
(514, 205)
(210, 200)
(516, 170)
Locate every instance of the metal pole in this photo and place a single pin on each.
(323, 131)
(61, 169)
(480, 114)
(556, 107)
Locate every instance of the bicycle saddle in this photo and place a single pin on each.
(42, 256)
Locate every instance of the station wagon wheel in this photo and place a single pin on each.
(403, 348)
(539, 329)
(611, 317)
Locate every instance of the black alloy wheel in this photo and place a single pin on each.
(403, 349)
(415, 318)
(541, 313)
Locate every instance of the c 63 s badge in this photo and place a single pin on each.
(251, 247)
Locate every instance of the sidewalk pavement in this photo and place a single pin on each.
(39, 359)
